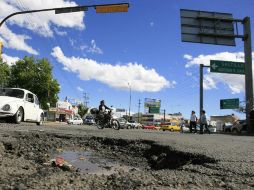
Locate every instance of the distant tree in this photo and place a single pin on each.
(82, 110)
(36, 75)
(4, 74)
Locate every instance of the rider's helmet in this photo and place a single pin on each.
(102, 102)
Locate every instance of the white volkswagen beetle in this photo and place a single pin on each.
(20, 105)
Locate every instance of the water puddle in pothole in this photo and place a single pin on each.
(90, 163)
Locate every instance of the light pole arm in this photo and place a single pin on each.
(25, 12)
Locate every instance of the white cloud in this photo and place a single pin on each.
(209, 82)
(205, 59)
(188, 57)
(80, 89)
(72, 42)
(94, 49)
(235, 83)
(59, 32)
(15, 41)
(41, 23)
(83, 47)
(117, 76)
(9, 59)
(188, 73)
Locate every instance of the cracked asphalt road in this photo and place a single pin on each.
(164, 160)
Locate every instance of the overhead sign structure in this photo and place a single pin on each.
(229, 103)
(229, 67)
(218, 28)
(112, 8)
(207, 27)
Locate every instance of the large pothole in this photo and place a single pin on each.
(104, 153)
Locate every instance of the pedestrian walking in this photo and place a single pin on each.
(193, 122)
(203, 123)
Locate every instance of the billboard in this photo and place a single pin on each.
(152, 105)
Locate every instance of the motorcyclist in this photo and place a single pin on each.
(103, 107)
(102, 110)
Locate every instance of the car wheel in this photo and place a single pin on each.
(128, 127)
(163, 129)
(171, 130)
(18, 116)
(41, 120)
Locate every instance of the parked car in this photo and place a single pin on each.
(123, 123)
(170, 127)
(20, 105)
(185, 128)
(135, 125)
(240, 126)
(149, 126)
(212, 129)
(75, 121)
(88, 120)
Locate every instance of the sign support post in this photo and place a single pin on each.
(248, 71)
(201, 98)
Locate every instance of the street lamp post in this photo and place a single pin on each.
(100, 8)
(129, 102)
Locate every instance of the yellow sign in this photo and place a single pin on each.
(112, 8)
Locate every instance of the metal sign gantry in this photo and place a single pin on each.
(218, 28)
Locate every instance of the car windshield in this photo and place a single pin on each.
(16, 93)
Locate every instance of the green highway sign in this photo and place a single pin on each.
(154, 110)
(229, 67)
(229, 103)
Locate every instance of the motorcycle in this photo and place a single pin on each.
(104, 120)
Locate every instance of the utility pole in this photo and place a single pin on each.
(86, 98)
(139, 103)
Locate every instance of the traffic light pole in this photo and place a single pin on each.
(103, 8)
(248, 71)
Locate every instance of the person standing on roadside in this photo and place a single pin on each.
(203, 123)
(193, 122)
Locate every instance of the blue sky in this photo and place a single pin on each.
(101, 53)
